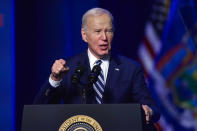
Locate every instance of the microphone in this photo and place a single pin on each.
(75, 78)
(93, 76)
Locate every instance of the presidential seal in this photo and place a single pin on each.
(80, 123)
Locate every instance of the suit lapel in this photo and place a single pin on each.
(113, 72)
(84, 61)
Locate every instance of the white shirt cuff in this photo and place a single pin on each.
(54, 83)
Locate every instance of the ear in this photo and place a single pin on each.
(83, 34)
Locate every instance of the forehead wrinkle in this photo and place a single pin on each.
(99, 22)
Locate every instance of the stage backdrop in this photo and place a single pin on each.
(7, 80)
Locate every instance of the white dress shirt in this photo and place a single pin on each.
(104, 65)
(92, 59)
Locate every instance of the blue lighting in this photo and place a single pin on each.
(13, 64)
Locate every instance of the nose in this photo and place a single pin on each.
(104, 36)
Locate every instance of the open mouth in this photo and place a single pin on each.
(104, 47)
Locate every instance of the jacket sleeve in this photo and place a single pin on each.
(141, 93)
(48, 95)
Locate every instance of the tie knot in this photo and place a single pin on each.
(98, 62)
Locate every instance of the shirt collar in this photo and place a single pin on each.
(93, 59)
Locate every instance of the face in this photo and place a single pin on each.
(98, 35)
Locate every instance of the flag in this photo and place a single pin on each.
(168, 55)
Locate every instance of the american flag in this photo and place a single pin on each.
(151, 44)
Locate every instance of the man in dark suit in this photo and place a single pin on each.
(121, 81)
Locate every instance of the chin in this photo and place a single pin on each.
(103, 55)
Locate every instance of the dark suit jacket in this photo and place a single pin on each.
(125, 84)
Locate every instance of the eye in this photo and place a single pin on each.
(97, 31)
(110, 30)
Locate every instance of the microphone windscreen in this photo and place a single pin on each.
(96, 70)
(75, 78)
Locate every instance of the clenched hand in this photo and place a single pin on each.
(59, 69)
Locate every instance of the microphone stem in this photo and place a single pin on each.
(83, 96)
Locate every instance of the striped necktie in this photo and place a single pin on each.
(99, 85)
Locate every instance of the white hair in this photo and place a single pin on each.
(94, 12)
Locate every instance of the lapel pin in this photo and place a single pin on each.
(116, 69)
